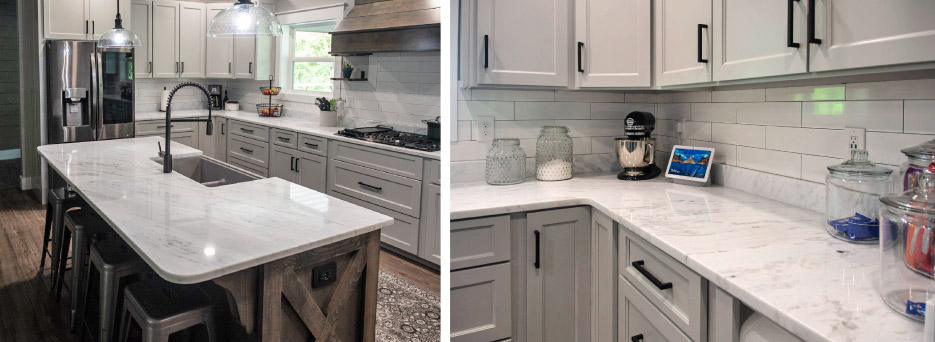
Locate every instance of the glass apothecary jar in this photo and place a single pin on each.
(921, 159)
(554, 154)
(506, 162)
(853, 189)
(907, 249)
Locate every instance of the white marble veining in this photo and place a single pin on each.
(292, 124)
(773, 256)
(189, 233)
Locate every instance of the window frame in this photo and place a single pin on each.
(290, 68)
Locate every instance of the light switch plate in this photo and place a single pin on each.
(485, 128)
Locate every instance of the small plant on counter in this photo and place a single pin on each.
(326, 105)
(346, 69)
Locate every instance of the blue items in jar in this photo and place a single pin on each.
(857, 227)
(853, 198)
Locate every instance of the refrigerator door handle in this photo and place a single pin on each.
(98, 99)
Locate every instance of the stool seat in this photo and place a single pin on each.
(117, 265)
(160, 299)
(116, 256)
(84, 225)
(162, 308)
(60, 201)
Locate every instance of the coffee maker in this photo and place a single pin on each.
(214, 92)
(636, 149)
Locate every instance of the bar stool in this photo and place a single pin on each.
(161, 308)
(60, 201)
(116, 265)
(83, 226)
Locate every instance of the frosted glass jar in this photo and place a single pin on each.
(554, 154)
(907, 249)
(853, 189)
(921, 159)
(506, 163)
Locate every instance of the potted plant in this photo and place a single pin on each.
(328, 116)
(346, 69)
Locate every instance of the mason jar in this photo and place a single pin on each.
(554, 154)
(506, 162)
(853, 189)
(920, 159)
(907, 249)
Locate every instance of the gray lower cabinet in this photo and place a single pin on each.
(403, 234)
(639, 320)
(262, 172)
(479, 242)
(302, 168)
(430, 247)
(220, 139)
(480, 304)
(282, 164)
(182, 132)
(206, 143)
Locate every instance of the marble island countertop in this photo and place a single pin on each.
(189, 233)
(774, 257)
(291, 124)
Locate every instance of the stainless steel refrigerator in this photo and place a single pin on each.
(90, 92)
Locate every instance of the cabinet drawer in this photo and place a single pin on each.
(248, 150)
(386, 190)
(682, 292)
(257, 132)
(392, 162)
(433, 171)
(313, 144)
(637, 317)
(403, 234)
(285, 138)
(144, 128)
(248, 167)
(480, 241)
(480, 304)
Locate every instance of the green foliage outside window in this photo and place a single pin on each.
(312, 76)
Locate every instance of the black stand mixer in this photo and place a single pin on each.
(636, 149)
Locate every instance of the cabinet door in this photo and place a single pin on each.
(864, 33)
(558, 296)
(205, 141)
(683, 41)
(752, 38)
(522, 42)
(311, 170)
(282, 164)
(244, 57)
(165, 39)
(603, 279)
(430, 225)
(103, 13)
(192, 39)
(66, 19)
(189, 139)
(480, 304)
(219, 51)
(220, 142)
(142, 13)
(613, 37)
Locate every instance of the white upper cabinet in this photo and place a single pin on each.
(219, 52)
(102, 15)
(81, 19)
(758, 38)
(683, 41)
(165, 39)
(522, 42)
(863, 33)
(192, 39)
(613, 43)
(142, 13)
(244, 57)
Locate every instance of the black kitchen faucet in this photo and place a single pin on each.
(166, 156)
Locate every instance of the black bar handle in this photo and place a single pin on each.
(296, 164)
(283, 139)
(811, 23)
(486, 51)
(580, 45)
(291, 162)
(246, 130)
(638, 265)
(789, 25)
(374, 188)
(222, 128)
(311, 145)
(246, 150)
(637, 338)
(700, 27)
(536, 263)
(86, 27)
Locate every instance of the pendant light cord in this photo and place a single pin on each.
(118, 23)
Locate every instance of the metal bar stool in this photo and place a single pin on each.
(161, 308)
(83, 226)
(116, 265)
(60, 201)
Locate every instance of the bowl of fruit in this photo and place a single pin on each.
(269, 110)
(272, 91)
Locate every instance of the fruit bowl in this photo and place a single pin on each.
(269, 110)
(271, 91)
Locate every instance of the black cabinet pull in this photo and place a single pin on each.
(536, 262)
(92, 27)
(283, 139)
(291, 163)
(811, 23)
(246, 130)
(700, 27)
(638, 265)
(85, 27)
(580, 45)
(250, 68)
(486, 52)
(789, 24)
(637, 338)
(311, 145)
(150, 67)
(246, 150)
(222, 128)
(371, 187)
(183, 67)
(297, 164)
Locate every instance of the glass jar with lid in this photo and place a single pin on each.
(506, 163)
(853, 189)
(907, 249)
(921, 159)
(554, 154)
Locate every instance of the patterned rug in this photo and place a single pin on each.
(406, 312)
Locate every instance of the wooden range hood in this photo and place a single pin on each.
(388, 26)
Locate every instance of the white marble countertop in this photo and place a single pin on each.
(292, 124)
(774, 257)
(189, 233)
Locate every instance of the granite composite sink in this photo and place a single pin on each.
(209, 172)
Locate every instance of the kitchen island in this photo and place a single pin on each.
(775, 258)
(253, 242)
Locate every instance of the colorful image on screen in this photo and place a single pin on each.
(689, 163)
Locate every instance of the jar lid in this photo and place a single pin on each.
(920, 199)
(859, 165)
(924, 151)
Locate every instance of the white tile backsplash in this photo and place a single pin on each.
(743, 135)
(714, 112)
(815, 93)
(919, 116)
(552, 110)
(892, 90)
(883, 116)
(819, 142)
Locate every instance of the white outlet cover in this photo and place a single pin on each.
(861, 138)
(485, 128)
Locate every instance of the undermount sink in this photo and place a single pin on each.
(208, 171)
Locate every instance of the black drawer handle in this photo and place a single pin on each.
(291, 163)
(371, 187)
(536, 262)
(311, 145)
(580, 45)
(164, 126)
(283, 139)
(701, 27)
(222, 128)
(638, 265)
(811, 23)
(297, 164)
(246, 150)
(637, 338)
(246, 130)
(789, 24)
(486, 38)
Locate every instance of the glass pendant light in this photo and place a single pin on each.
(118, 37)
(244, 19)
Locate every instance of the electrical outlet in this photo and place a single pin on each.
(324, 274)
(856, 138)
(485, 128)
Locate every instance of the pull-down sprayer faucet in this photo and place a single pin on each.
(166, 156)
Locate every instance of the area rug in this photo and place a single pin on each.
(406, 312)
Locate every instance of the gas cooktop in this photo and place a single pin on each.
(388, 136)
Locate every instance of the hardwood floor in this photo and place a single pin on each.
(29, 314)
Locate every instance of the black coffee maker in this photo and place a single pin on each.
(214, 92)
(636, 149)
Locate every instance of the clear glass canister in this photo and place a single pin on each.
(921, 159)
(907, 249)
(554, 154)
(506, 162)
(853, 189)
